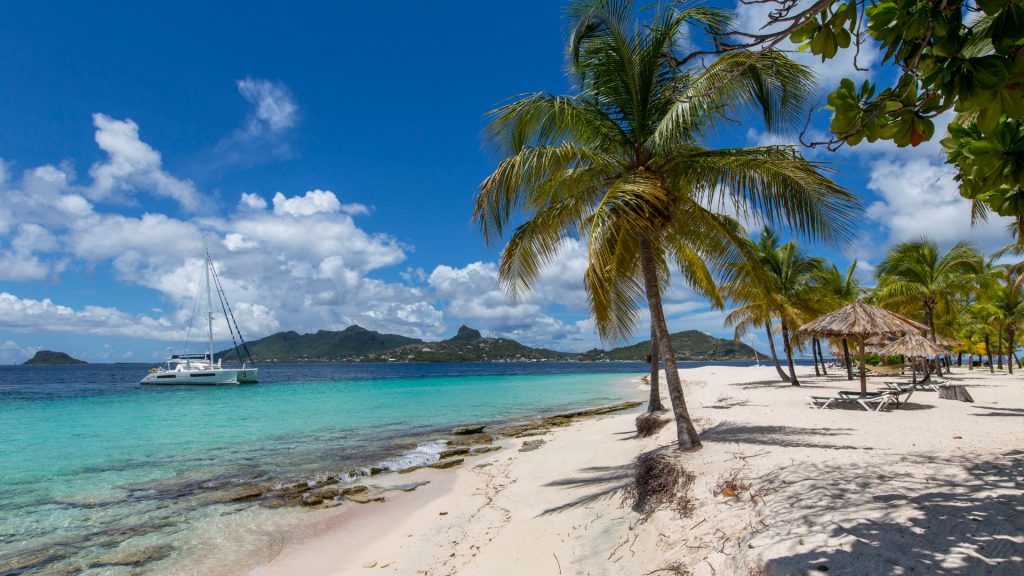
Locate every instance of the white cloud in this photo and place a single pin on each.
(252, 202)
(274, 109)
(12, 353)
(28, 315)
(919, 198)
(133, 165)
(314, 202)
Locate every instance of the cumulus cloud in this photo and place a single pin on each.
(132, 165)
(919, 198)
(28, 315)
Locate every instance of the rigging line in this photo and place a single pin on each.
(231, 315)
(222, 299)
(195, 309)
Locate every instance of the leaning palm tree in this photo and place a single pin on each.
(915, 278)
(620, 164)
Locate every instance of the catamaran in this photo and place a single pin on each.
(202, 368)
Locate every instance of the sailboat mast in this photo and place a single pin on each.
(209, 298)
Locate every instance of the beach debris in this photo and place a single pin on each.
(650, 423)
(659, 480)
(370, 564)
(730, 485)
(442, 513)
(531, 445)
(451, 463)
(464, 430)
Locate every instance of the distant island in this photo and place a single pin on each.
(357, 344)
(51, 358)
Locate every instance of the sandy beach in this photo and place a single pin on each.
(932, 487)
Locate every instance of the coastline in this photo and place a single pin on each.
(928, 485)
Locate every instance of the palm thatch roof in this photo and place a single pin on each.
(861, 319)
(914, 346)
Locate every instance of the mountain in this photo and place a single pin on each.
(324, 346)
(50, 358)
(357, 344)
(468, 345)
(687, 345)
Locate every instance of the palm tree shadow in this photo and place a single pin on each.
(787, 436)
(606, 482)
(940, 524)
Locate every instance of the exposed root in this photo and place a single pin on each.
(650, 423)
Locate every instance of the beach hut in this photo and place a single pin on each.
(914, 346)
(861, 321)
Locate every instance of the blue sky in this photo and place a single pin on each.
(332, 152)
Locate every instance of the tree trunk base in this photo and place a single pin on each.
(955, 392)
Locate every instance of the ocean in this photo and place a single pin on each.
(99, 475)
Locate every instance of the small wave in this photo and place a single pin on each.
(425, 453)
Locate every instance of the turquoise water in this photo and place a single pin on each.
(87, 454)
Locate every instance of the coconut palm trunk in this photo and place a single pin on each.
(821, 356)
(686, 434)
(846, 358)
(988, 351)
(1011, 354)
(814, 355)
(999, 350)
(775, 357)
(788, 344)
(654, 404)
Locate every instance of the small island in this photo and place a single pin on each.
(50, 358)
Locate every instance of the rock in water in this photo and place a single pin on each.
(469, 430)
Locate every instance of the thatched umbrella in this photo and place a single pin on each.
(861, 320)
(914, 346)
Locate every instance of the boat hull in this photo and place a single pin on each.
(211, 377)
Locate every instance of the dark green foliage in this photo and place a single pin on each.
(688, 345)
(49, 358)
(323, 346)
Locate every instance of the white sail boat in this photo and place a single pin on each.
(201, 368)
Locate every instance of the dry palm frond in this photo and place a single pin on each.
(659, 480)
(913, 346)
(650, 423)
(861, 319)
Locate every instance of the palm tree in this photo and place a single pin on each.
(836, 289)
(1007, 312)
(619, 163)
(916, 279)
(778, 282)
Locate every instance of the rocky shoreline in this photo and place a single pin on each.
(65, 558)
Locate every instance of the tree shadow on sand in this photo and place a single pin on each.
(788, 436)
(936, 518)
(603, 481)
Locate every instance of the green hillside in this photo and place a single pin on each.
(323, 346)
(468, 345)
(50, 358)
(687, 345)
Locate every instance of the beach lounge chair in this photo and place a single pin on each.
(882, 399)
(898, 388)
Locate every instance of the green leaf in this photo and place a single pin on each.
(990, 7)
(989, 71)
(1008, 28)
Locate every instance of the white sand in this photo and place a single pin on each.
(935, 487)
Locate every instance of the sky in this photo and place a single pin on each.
(331, 151)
